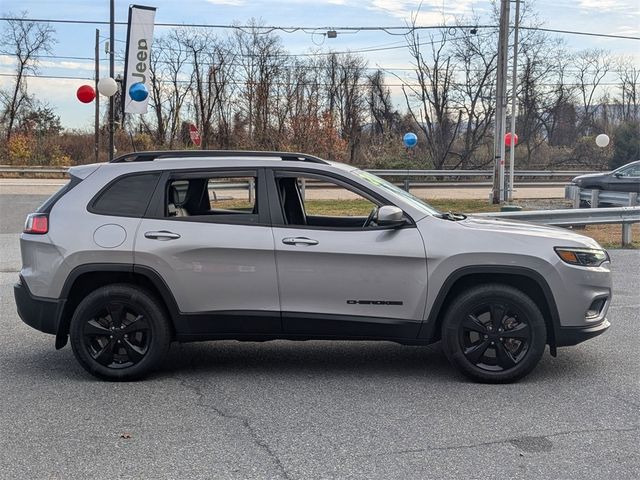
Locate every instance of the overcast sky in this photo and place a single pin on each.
(619, 17)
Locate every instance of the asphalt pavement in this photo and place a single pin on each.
(302, 410)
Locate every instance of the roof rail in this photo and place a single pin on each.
(150, 156)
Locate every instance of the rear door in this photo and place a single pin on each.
(208, 236)
(338, 276)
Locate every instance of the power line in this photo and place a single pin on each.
(269, 29)
(302, 84)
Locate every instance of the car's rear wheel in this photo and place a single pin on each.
(494, 333)
(119, 332)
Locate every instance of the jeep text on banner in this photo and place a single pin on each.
(139, 40)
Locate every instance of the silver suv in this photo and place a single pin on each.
(162, 246)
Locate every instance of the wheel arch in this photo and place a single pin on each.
(86, 278)
(524, 279)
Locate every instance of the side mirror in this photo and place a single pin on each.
(618, 174)
(390, 216)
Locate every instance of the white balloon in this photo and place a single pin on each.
(602, 140)
(107, 86)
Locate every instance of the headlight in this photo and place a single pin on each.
(583, 257)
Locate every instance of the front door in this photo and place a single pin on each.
(340, 274)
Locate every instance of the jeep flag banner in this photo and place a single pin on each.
(136, 68)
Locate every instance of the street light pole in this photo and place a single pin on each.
(97, 106)
(500, 125)
(111, 74)
(514, 84)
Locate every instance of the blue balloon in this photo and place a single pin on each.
(138, 92)
(410, 140)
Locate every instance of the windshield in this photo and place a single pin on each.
(396, 192)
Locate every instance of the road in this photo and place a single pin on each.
(361, 410)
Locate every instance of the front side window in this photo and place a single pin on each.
(630, 171)
(314, 201)
(223, 198)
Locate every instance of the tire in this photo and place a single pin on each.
(119, 332)
(472, 344)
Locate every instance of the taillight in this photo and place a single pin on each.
(37, 223)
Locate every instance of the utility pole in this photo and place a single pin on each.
(97, 106)
(111, 74)
(501, 80)
(514, 84)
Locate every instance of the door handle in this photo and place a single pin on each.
(299, 241)
(162, 235)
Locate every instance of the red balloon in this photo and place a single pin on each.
(507, 139)
(86, 94)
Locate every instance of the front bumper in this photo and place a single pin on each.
(567, 336)
(40, 313)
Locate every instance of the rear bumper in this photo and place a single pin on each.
(567, 336)
(40, 313)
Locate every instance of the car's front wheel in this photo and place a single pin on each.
(119, 332)
(494, 333)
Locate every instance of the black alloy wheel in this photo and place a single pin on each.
(120, 332)
(495, 337)
(494, 333)
(118, 336)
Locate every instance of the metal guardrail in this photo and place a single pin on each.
(456, 176)
(58, 170)
(626, 216)
(594, 197)
(476, 173)
(381, 173)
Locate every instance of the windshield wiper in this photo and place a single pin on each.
(454, 217)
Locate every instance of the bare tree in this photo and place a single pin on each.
(350, 100)
(593, 65)
(212, 76)
(429, 100)
(559, 113)
(298, 107)
(474, 94)
(383, 116)
(629, 80)
(25, 41)
(171, 81)
(263, 61)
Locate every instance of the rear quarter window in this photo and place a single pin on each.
(126, 196)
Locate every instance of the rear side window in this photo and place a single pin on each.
(127, 196)
(222, 197)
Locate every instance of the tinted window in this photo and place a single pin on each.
(128, 196)
(631, 171)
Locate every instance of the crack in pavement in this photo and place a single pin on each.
(512, 441)
(201, 401)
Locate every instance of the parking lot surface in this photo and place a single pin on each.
(305, 410)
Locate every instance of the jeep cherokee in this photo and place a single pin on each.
(157, 247)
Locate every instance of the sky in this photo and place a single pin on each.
(618, 17)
